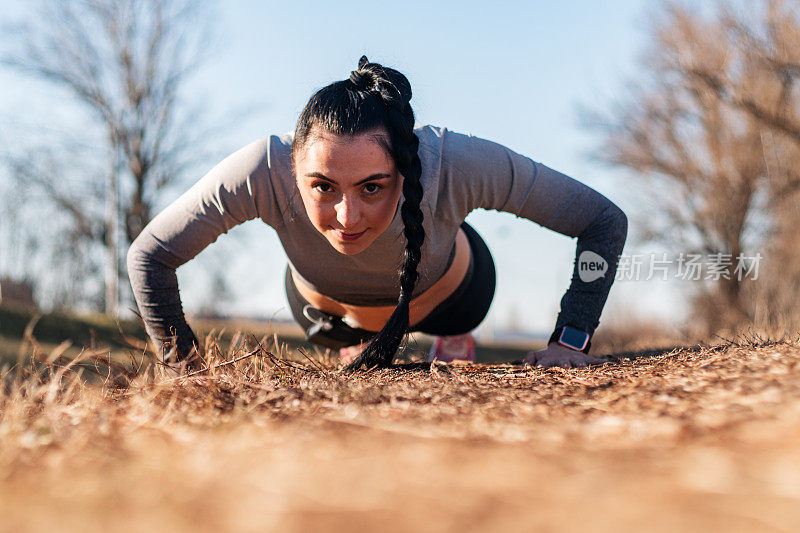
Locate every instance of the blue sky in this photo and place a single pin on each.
(511, 72)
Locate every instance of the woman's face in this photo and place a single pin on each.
(349, 186)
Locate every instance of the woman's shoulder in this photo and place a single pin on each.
(433, 141)
(270, 148)
(429, 130)
(431, 137)
(453, 145)
(272, 153)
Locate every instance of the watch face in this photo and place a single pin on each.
(574, 338)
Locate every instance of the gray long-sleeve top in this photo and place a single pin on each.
(459, 173)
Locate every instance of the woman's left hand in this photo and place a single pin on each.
(558, 355)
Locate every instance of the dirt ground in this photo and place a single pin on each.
(704, 439)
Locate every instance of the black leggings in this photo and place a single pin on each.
(459, 313)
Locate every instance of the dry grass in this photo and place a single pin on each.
(685, 439)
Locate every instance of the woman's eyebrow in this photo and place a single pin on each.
(378, 176)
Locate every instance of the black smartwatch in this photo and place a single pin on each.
(571, 337)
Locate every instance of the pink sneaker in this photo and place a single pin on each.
(454, 348)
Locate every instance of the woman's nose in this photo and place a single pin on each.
(347, 212)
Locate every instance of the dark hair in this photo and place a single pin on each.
(377, 97)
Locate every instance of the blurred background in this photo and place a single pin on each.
(686, 114)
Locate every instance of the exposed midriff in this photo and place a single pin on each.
(373, 318)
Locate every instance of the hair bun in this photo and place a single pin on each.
(393, 86)
(363, 79)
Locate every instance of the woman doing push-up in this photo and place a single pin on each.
(370, 212)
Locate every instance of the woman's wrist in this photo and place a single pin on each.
(571, 337)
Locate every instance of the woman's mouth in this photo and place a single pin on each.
(349, 236)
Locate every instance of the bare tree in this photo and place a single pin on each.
(126, 62)
(705, 133)
(766, 35)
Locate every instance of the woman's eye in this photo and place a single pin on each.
(323, 187)
(372, 188)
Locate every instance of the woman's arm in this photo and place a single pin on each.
(488, 175)
(234, 191)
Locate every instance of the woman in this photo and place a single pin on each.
(356, 192)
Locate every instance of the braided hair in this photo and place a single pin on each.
(377, 97)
